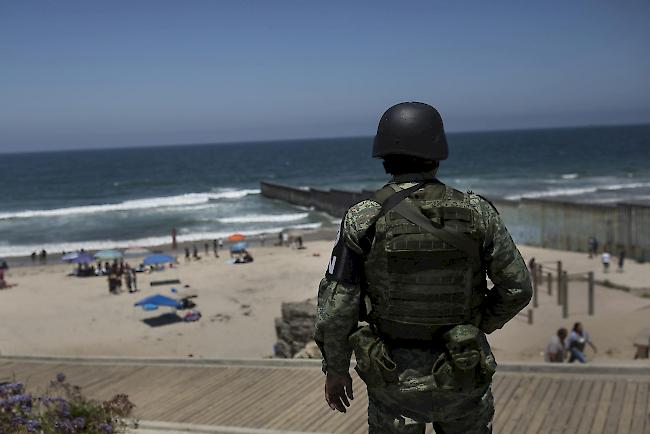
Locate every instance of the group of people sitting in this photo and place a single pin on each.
(243, 257)
(565, 346)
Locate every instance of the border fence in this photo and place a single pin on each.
(543, 222)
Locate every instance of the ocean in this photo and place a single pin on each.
(94, 199)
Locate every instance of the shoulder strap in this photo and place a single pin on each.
(410, 212)
(388, 197)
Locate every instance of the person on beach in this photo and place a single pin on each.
(111, 281)
(578, 339)
(621, 260)
(128, 278)
(606, 258)
(43, 256)
(215, 248)
(590, 247)
(174, 239)
(33, 256)
(195, 252)
(419, 281)
(206, 248)
(187, 254)
(134, 280)
(556, 348)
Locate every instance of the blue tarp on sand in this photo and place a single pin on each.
(160, 300)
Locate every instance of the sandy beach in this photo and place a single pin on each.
(50, 313)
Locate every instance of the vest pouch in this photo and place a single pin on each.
(469, 357)
(374, 363)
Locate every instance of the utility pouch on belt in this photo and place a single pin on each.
(468, 362)
(374, 363)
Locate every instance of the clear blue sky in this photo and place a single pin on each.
(84, 74)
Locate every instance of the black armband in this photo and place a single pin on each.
(345, 265)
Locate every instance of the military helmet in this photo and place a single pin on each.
(411, 128)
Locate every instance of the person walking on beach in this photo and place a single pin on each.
(206, 248)
(419, 281)
(174, 238)
(606, 258)
(590, 247)
(215, 248)
(43, 256)
(134, 280)
(195, 252)
(556, 348)
(621, 260)
(33, 256)
(578, 339)
(128, 278)
(187, 254)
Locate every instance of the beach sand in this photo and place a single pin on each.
(49, 313)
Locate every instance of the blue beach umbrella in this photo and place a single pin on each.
(157, 259)
(238, 247)
(83, 258)
(108, 254)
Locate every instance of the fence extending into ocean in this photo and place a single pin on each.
(543, 222)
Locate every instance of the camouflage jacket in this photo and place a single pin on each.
(338, 303)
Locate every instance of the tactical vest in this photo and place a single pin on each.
(416, 281)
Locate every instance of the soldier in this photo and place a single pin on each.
(412, 263)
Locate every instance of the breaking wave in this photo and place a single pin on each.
(188, 199)
(577, 190)
(264, 218)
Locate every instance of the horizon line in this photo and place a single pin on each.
(244, 142)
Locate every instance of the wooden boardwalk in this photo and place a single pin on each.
(283, 399)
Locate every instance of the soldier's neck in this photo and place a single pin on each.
(414, 177)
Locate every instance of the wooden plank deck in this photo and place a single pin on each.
(290, 398)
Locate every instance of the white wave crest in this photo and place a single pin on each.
(25, 250)
(577, 190)
(262, 218)
(153, 202)
(569, 176)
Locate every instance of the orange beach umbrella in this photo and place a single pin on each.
(236, 237)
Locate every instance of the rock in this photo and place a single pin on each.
(303, 309)
(311, 351)
(282, 350)
(295, 330)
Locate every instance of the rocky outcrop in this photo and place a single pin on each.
(295, 330)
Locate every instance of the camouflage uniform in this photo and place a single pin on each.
(414, 397)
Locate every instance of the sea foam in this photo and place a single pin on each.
(572, 191)
(263, 218)
(188, 199)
